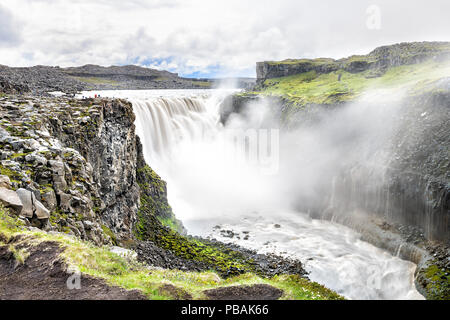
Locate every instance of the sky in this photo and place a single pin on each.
(208, 38)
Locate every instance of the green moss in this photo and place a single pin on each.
(14, 176)
(57, 216)
(154, 198)
(169, 223)
(437, 282)
(111, 234)
(19, 155)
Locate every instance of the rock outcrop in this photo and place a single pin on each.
(74, 162)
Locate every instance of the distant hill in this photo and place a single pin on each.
(41, 79)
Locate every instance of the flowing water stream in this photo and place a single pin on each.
(219, 194)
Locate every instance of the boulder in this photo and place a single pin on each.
(31, 205)
(26, 197)
(10, 199)
(41, 211)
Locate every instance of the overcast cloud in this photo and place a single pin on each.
(205, 37)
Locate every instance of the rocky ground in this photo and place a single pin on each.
(39, 80)
(266, 264)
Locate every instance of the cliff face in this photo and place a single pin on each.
(379, 60)
(79, 159)
(412, 186)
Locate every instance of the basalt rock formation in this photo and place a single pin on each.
(79, 159)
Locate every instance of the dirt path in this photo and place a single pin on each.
(43, 276)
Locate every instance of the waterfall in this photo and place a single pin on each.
(185, 143)
(165, 122)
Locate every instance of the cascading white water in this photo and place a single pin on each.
(186, 145)
(166, 122)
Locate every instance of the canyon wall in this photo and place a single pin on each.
(81, 160)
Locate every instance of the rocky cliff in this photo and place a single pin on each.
(78, 159)
(378, 61)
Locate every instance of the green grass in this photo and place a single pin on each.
(312, 88)
(204, 84)
(129, 274)
(95, 80)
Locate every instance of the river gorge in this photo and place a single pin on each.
(224, 196)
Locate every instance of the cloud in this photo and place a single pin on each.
(9, 29)
(201, 37)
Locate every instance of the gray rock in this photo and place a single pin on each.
(26, 197)
(36, 159)
(49, 200)
(10, 199)
(31, 205)
(41, 211)
(5, 182)
(88, 225)
(64, 202)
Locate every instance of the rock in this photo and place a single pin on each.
(41, 211)
(88, 225)
(26, 198)
(64, 202)
(31, 206)
(36, 159)
(10, 199)
(5, 182)
(49, 200)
